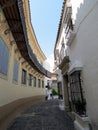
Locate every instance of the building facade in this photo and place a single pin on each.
(47, 79)
(79, 64)
(22, 72)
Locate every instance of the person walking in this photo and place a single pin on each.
(46, 97)
(49, 93)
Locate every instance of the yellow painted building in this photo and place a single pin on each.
(31, 34)
(21, 58)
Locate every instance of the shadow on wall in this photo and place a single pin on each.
(83, 10)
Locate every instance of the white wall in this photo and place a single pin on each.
(84, 48)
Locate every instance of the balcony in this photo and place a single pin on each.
(17, 27)
(69, 27)
(64, 66)
(71, 35)
(64, 61)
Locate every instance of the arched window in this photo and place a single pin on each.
(4, 56)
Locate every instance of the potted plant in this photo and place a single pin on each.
(80, 106)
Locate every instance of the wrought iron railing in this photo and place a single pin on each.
(30, 52)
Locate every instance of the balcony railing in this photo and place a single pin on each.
(17, 27)
(36, 63)
(69, 27)
(70, 37)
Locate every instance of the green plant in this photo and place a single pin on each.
(54, 92)
(80, 106)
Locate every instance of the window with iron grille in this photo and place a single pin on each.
(34, 81)
(24, 76)
(42, 84)
(77, 97)
(39, 85)
(30, 79)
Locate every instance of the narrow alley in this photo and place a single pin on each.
(43, 116)
(47, 49)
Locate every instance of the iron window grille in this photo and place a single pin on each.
(30, 79)
(24, 76)
(42, 84)
(78, 103)
(34, 81)
(39, 85)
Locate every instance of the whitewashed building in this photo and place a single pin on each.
(79, 64)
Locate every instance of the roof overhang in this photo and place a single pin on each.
(14, 14)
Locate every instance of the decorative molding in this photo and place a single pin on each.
(71, 37)
(16, 50)
(7, 31)
(64, 61)
(23, 62)
(12, 42)
(76, 66)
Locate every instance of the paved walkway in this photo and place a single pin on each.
(42, 116)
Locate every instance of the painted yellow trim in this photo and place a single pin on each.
(31, 34)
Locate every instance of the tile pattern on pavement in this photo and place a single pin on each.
(42, 116)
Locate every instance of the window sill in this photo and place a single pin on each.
(30, 86)
(24, 85)
(15, 82)
(3, 76)
(81, 123)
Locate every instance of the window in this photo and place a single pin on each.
(4, 55)
(76, 89)
(48, 82)
(16, 68)
(62, 53)
(24, 76)
(39, 83)
(42, 84)
(34, 81)
(30, 79)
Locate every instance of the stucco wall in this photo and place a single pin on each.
(11, 92)
(31, 34)
(84, 48)
(9, 89)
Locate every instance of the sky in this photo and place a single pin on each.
(45, 17)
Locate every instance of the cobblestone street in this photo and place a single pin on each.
(42, 116)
